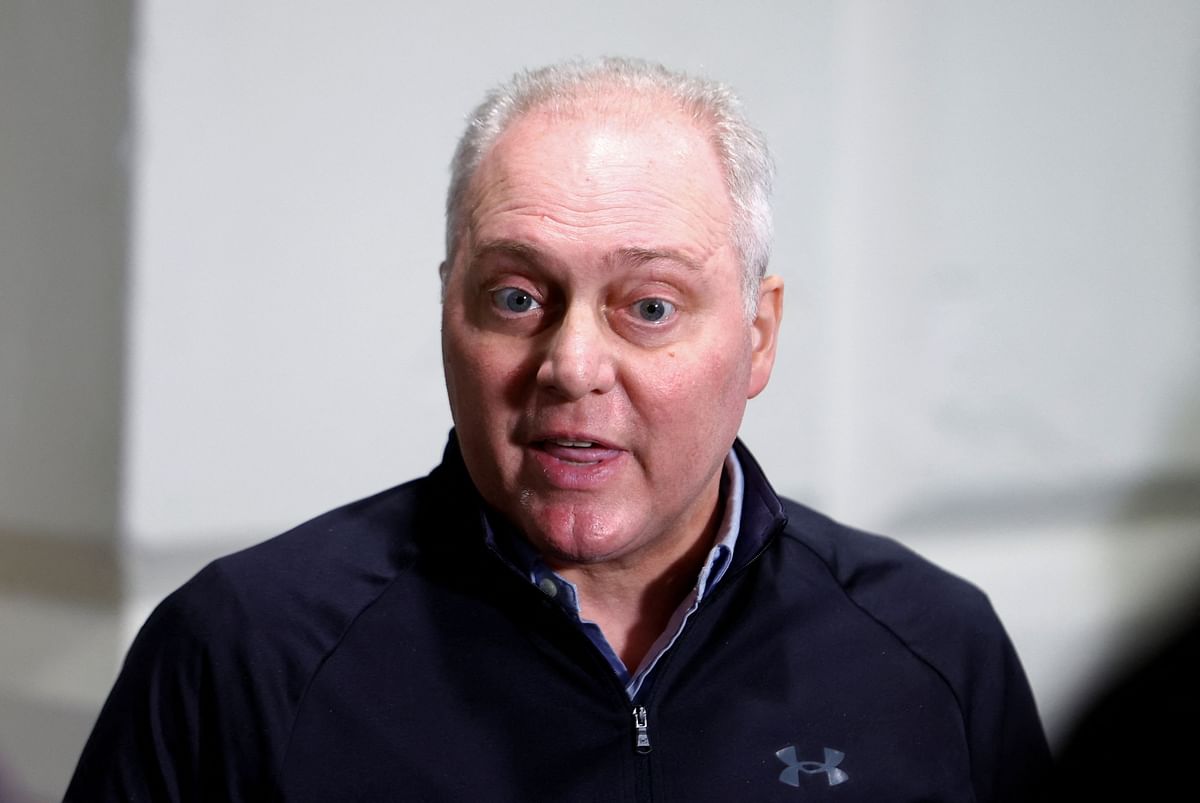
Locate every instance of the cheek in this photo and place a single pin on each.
(486, 377)
(696, 390)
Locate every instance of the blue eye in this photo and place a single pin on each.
(653, 310)
(512, 299)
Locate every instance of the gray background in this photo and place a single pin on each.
(220, 224)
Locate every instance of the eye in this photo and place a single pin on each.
(653, 310)
(513, 299)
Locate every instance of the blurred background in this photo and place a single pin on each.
(220, 225)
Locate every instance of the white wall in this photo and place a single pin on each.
(986, 217)
(1016, 252)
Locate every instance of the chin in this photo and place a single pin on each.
(576, 535)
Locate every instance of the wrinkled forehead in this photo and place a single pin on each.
(609, 143)
(615, 179)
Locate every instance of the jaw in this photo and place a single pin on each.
(624, 523)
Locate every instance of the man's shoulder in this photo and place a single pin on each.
(901, 616)
(373, 536)
(241, 641)
(305, 584)
(944, 619)
(868, 565)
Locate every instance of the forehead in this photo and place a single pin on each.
(640, 176)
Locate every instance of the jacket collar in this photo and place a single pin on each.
(762, 511)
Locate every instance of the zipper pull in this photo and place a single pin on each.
(641, 725)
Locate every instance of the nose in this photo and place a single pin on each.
(578, 358)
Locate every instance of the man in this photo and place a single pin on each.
(596, 595)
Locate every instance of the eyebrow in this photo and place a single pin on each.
(530, 254)
(640, 256)
(510, 248)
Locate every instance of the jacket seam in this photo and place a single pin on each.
(903, 642)
(276, 782)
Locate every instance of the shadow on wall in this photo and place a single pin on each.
(1136, 738)
(1137, 734)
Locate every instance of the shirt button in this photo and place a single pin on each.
(548, 587)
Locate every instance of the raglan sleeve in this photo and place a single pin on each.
(1010, 759)
(171, 728)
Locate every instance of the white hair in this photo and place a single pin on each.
(741, 150)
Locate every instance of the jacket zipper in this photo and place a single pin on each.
(641, 721)
(641, 727)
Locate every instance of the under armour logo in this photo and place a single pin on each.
(791, 773)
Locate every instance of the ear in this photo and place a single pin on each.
(764, 334)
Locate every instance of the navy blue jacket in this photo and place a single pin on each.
(384, 652)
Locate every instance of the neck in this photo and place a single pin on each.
(632, 602)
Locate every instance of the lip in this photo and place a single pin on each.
(576, 468)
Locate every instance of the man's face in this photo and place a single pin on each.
(597, 355)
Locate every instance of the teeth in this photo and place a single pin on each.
(574, 444)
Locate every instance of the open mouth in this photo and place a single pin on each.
(571, 444)
(576, 451)
(576, 461)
